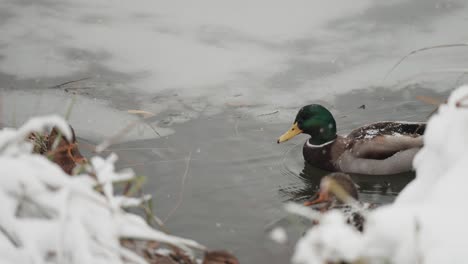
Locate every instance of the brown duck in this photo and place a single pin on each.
(338, 191)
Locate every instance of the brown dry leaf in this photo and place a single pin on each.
(147, 250)
(66, 154)
(219, 257)
(429, 100)
(143, 113)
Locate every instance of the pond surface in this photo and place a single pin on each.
(238, 177)
(223, 179)
(223, 82)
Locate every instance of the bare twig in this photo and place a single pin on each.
(122, 149)
(154, 129)
(150, 216)
(77, 88)
(67, 116)
(266, 114)
(134, 185)
(182, 188)
(420, 50)
(145, 115)
(13, 239)
(65, 83)
(151, 162)
(70, 107)
(109, 141)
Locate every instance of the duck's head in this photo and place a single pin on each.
(314, 120)
(335, 189)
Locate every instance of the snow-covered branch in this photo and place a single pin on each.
(49, 217)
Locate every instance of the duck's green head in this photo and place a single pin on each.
(314, 120)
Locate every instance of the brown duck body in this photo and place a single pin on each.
(348, 203)
(377, 149)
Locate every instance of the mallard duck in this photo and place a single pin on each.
(375, 149)
(330, 199)
(338, 191)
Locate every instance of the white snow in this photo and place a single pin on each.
(303, 211)
(426, 223)
(50, 217)
(278, 234)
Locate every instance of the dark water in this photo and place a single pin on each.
(223, 180)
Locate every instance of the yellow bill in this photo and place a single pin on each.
(292, 132)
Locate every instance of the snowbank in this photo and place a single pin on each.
(428, 221)
(49, 217)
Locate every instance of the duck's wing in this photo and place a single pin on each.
(388, 128)
(384, 146)
(397, 163)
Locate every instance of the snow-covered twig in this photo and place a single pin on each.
(50, 217)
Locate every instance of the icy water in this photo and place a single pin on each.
(238, 177)
(224, 80)
(223, 179)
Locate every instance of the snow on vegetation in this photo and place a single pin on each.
(428, 221)
(49, 217)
